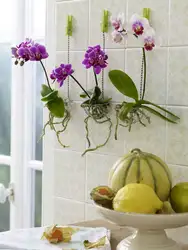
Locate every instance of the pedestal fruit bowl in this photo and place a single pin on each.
(150, 229)
(140, 195)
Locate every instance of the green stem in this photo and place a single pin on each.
(95, 78)
(80, 85)
(45, 72)
(144, 87)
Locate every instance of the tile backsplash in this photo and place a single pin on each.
(167, 85)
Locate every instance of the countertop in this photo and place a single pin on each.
(119, 233)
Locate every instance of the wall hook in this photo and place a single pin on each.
(69, 27)
(147, 13)
(105, 21)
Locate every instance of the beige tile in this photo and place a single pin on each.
(74, 135)
(178, 22)
(159, 18)
(69, 175)
(179, 173)
(156, 81)
(178, 75)
(98, 167)
(79, 40)
(80, 73)
(177, 150)
(67, 211)
(96, 10)
(149, 139)
(91, 213)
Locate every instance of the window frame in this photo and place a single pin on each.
(22, 165)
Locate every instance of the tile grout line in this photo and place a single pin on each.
(87, 82)
(178, 46)
(167, 81)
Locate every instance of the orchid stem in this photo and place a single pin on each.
(80, 85)
(45, 72)
(95, 77)
(144, 86)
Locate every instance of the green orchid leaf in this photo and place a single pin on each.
(155, 112)
(86, 102)
(83, 94)
(125, 109)
(56, 107)
(157, 106)
(51, 96)
(45, 90)
(96, 94)
(123, 83)
(107, 100)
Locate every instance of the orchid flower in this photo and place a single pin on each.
(149, 39)
(139, 24)
(118, 22)
(120, 32)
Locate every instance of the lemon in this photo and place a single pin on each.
(137, 198)
(179, 197)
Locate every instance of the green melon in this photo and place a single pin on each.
(141, 167)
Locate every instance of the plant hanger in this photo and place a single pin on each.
(97, 106)
(128, 113)
(27, 51)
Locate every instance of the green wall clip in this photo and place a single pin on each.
(69, 27)
(147, 13)
(105, 21)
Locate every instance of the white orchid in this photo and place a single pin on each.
(149, 39)
(139, 24)
(118, 22)
(120, 31)
(117, 36)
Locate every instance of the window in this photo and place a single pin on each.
(21, 113)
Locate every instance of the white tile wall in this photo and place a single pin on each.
(68, 211)
(156, 72)
(71, 184)
(91, 213)
(177, 149)
(178, 75)
(178, 22)
(167, 84)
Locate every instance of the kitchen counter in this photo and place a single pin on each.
(119, 233)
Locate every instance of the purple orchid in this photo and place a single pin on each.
(61, 73)
(21, 51)
(29, 51)
(95, 57)
(37, 52)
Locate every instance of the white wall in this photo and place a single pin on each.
(74, 176)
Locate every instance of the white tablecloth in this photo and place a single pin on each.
(29, 239)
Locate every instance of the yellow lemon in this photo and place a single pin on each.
(137, 198)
